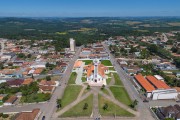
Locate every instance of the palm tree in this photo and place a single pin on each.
(134, 103)
(85, 106)
(105, 106)
(58, 101)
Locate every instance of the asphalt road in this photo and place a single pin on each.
(50, 108)
(142, 107)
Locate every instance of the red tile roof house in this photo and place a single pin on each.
(47, 86)
(47, 83)
(10, 101)
(62, 64)
(15, 83)
(46, 89)
(31, 115)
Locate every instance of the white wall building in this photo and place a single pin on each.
(8, 57)
(159, 77)
(72, 44)
(164, 94)
(38, 65)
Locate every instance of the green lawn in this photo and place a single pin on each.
(105, 91)
(108, 81)
(35, 97)
(1, 103)
(112, 109)
(72, 78)
(70, 94)
(78, 111)
(87, 62)
(109, 75)
(84, 79)
(121, 94)
(106, 62)
(111, 68)
(117, 79)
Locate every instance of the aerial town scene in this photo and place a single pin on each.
(81, 64)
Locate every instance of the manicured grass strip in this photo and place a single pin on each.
(121, 94)
(117, 79)
(72, 78)
(83, 79)
(106, 62)
(108, 81)
(112, 109)
(111, 68)
(78, 110)
(1, 103)
(70, 94)
(109, 75)
(87, 62)
(105, 91)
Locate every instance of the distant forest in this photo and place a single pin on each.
(84, 30)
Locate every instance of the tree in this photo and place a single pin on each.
(145, 54)
(21, 55)
(177, 61)
(134, 103)
(103, 86)
(85, 106)
(88, 87)
(1, 114)
(132, 50)
(29, 55)
(174, 49)
(1, 66)
(48, 78)
(105, 107)
(5, 98)
(3, 85)
(58, 101)
(5, 115)
(153, 48)
(47, 64)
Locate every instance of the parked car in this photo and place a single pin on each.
(145, 100)
(43, 118)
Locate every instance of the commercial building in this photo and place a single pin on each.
(156, 89)
(158, 84)
(72, 44)
(164, 94)
(145, 84)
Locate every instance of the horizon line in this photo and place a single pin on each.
(80, 16)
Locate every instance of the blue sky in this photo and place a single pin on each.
(89, 8)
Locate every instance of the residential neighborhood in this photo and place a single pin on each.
(32, 74)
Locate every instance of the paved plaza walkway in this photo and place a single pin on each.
(79, 72)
